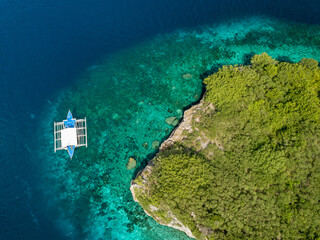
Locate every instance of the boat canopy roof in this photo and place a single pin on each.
(68, 137)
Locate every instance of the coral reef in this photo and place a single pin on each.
(127, 98)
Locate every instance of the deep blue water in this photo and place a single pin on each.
(45, 44)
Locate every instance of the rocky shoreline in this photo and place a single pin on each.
(176, 136)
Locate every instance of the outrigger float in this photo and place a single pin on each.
(69, 134)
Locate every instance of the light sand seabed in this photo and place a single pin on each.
(126, 99)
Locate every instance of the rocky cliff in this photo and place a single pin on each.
(140, 186)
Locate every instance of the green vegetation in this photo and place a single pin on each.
(261, 176)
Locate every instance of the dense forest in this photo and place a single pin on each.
(259, 177)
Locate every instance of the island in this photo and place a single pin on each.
(244, 162)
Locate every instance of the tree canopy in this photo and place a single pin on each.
(261, 179)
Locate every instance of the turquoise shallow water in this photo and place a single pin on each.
(126, 98)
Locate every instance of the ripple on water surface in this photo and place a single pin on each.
(127, 99)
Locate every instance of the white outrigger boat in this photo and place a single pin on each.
(70, 133)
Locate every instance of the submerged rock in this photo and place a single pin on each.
(115, 116)
(186, 76)
(145, 145)
(155, 144)
(180, 113)
(131, 164)
(173, 121)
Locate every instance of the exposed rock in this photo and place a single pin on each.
(185, 125)
(143, 174)
(131, 164)
(175, 223)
